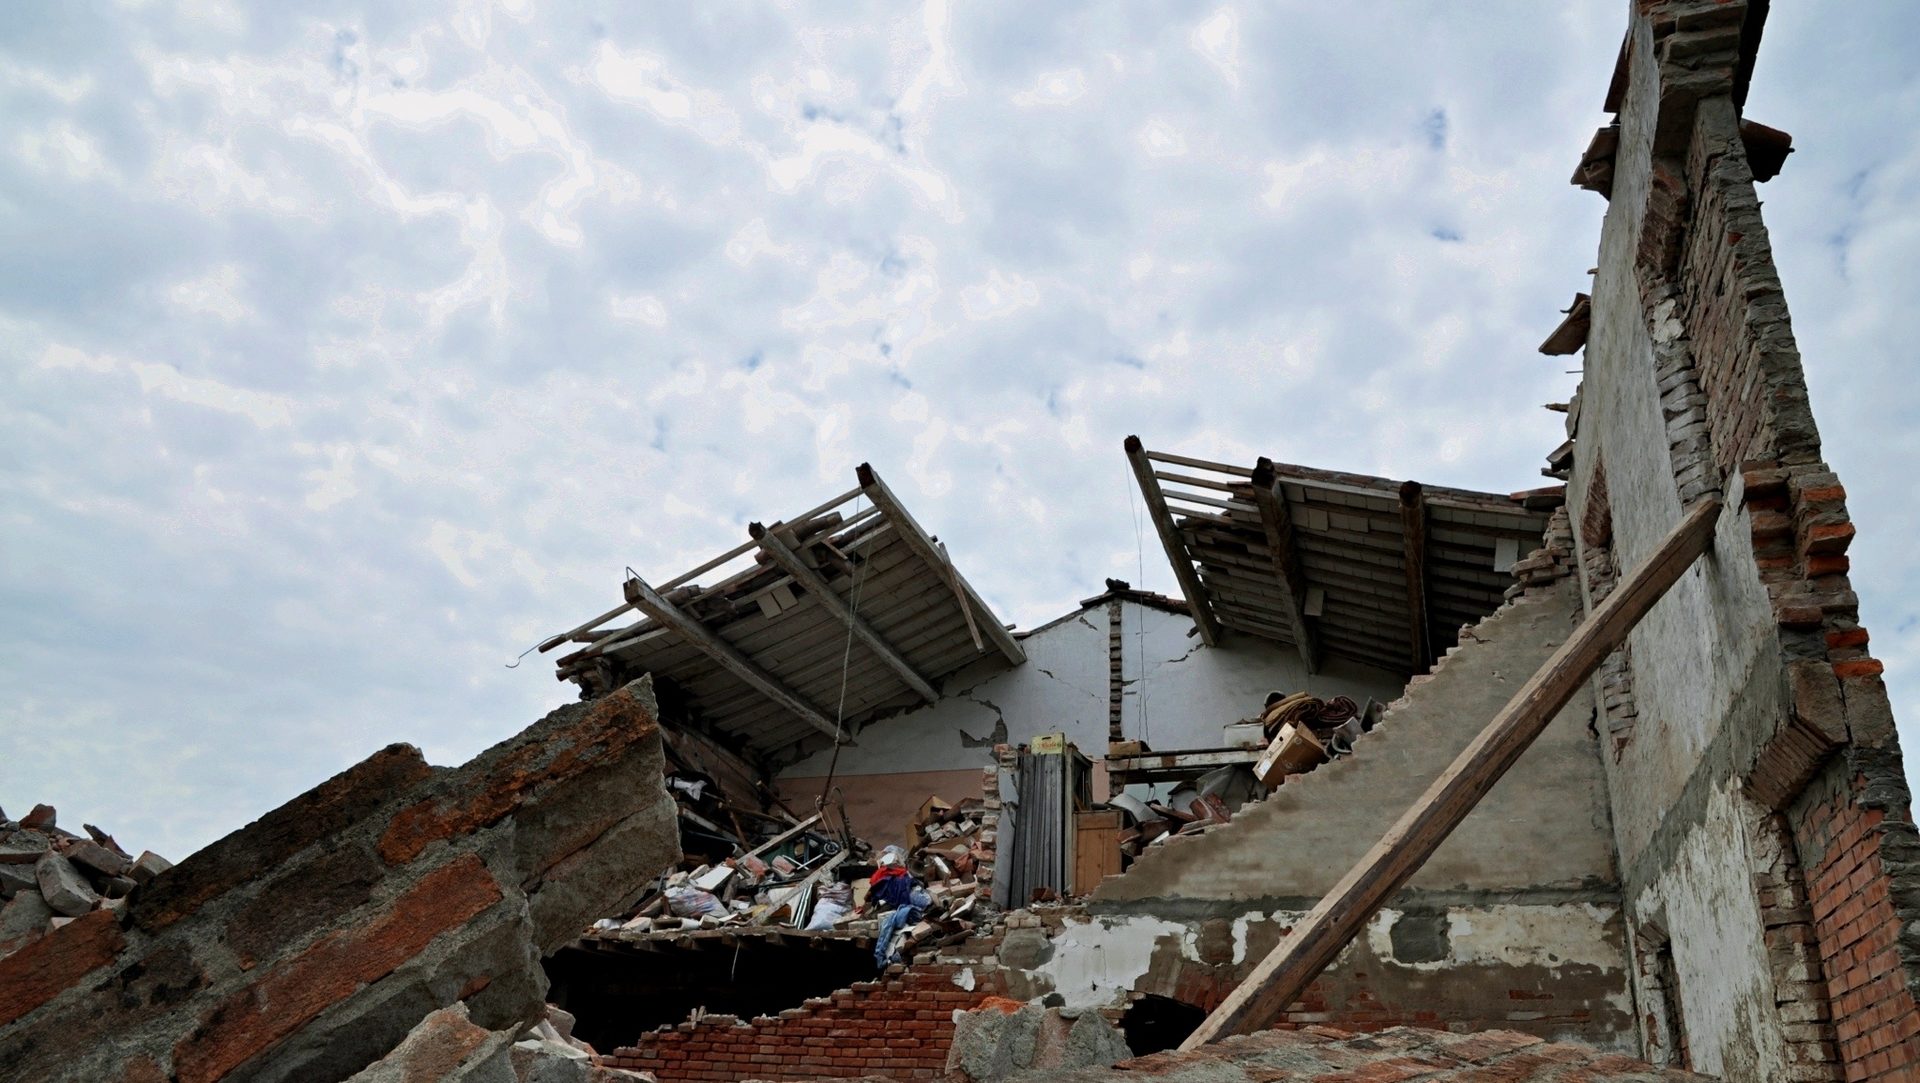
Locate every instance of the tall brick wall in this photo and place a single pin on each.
(1863, 944)
(1805, 735)
(899, 1027)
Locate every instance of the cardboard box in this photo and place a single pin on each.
(1294, 751)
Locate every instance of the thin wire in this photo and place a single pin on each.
(846, 664)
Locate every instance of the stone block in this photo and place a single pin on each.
(147, 866)
(24, 848)
(444, 1048)
(23, 920)
(64, 887)
(40, 819)
(16, 878)
(92, 855)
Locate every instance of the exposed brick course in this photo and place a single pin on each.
(899, 1027)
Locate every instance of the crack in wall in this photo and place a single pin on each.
(999, 734)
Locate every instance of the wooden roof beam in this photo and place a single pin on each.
(1177, 555)
(648, 601)
(1284, 974)
(1287, 573)
(1413, 527)
(927, 550)
(817, 587)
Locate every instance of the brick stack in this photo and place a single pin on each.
(1550, 563)
(309, 943)
(899, 1027)
(50, 877)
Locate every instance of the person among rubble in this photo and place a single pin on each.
(894, 893)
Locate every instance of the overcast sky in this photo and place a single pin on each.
(348, 349)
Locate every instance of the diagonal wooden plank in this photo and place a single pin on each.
(1177, 555)
(817, 588)
(917, 540)
(1280, 978)
(1289, 579)
(649, 601)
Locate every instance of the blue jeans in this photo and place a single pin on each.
(890, 925)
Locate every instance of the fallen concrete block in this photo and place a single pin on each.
(17, 878)
(23, 920)
(1003, 1038)
(542, 1060)
(446, 1047)
(92, 855)
(24, 848)
(63, 886)
(147, 866)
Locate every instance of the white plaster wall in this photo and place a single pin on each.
(1096, 961)
(1179, 693)
(1718, 943)
(1705, 659)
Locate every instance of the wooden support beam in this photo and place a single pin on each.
(1288, 576)
(1177, 555)
(924, 546)
(649, 601)
(1413, 524)
(1280, 978)
(816, 587)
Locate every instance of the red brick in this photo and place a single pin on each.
(293, 992)
(52, 964)
(1865, 667)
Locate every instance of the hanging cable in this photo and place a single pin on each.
(846, 663)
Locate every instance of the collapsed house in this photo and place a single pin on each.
(1699, 854)
(1704, 859)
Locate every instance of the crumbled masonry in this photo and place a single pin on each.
(309, 943)
(1706, 862)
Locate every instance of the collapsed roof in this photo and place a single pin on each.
(758, 657)
(1377, 571)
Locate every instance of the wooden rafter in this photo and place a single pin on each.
(1290, 581)
(1284, 974)
(1413, 525)
(816, 587)
(1177, 555)
(648, 601)
(925, 547)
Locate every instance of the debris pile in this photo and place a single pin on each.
(50, 876)
(810, 877)
(787, 879)
(1292, 734)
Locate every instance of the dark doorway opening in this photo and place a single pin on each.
(1154, 1023)
(618, 991)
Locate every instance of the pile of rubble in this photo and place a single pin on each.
(50, 876)
(1295, 732)
(810, 877)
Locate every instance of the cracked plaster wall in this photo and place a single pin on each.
(1181, 697)
(1549, 970)
(1184, 693)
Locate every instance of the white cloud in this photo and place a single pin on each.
(385, 344)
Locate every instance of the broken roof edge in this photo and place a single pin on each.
(748, 650)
